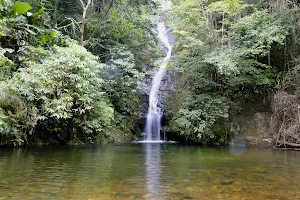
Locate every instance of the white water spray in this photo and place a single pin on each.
(155, 112)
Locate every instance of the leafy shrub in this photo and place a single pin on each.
(62, 92)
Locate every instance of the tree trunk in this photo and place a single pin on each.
(55, 11)
(84, 10)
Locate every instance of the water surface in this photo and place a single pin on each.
(148, 171)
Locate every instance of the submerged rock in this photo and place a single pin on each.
(238, 146)
(228, 182)
(238, 142)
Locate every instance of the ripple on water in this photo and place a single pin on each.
(139, 172)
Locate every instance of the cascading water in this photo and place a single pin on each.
(155, 111)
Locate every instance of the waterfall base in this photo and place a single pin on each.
(154, 142)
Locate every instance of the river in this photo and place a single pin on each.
(148, 171)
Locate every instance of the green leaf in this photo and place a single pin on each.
(49, 37)
(40, 11)
(21, 7)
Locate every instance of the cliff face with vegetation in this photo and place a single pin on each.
(74, 70)
(229, 53)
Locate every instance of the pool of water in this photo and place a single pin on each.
(148, 171)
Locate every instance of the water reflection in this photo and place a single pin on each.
(148, 171)
(238, 150)
(153, 170)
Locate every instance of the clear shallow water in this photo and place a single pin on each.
(148, 171)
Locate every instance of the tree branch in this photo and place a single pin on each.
(82, 4)
(84, 10)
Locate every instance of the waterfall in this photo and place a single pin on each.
(155, 110)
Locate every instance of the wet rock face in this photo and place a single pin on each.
(252, 125)
(253, 129)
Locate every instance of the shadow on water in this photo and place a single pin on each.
(238, 150)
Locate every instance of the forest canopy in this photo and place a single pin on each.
(229, 52)
(72, 70)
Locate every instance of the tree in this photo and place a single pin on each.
(228, 52)
(85, 7)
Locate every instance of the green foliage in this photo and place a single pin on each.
(230, 8)
(197, 116)
(21, 7)
(48, 37)
(227, 53)
(5, 63)
(54, 90)
(61, 85)
(128, 27)
(122, 82)
(121, 36)
(119, 32)
(4, 128)
(256, 33)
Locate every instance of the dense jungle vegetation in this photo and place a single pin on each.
(231, 51)
(71, 70)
